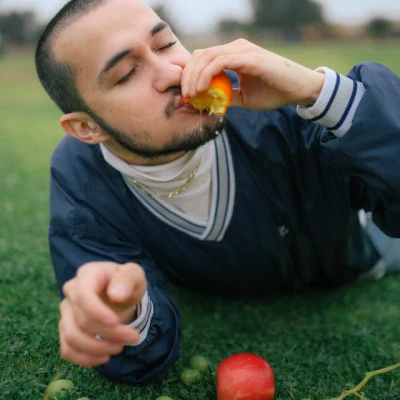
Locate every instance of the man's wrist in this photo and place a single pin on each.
(337, 103)
(131, 315)
(317, 80)
(141, 323)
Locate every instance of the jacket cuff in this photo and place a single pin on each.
(145, 311)
(336, 104)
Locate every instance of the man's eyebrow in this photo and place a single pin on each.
(112, 62)
(115, 59)
(159, 27)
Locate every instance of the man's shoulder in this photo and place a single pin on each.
(76, 161)
(69, 147)
(74, 157)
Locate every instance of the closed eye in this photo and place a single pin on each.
(167, 46)
(127, 76)
(132, 71)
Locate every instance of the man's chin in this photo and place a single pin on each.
(190, 134)
(202, 132)
(207, 123)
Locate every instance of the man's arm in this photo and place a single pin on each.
(90, 259)
(362, 137)
(362, 129)
(267, 80)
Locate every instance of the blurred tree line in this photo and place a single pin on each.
(272, 19)
(296, 20)
(285, 16)
(17, 27)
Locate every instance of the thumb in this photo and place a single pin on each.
(127, 286)
(237, 99)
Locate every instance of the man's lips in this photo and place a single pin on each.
(177, 104)
(180, 104)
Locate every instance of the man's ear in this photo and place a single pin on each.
(81, 126)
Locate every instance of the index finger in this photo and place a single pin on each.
(127, 286)
(197, 74)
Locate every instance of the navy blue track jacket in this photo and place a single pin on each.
(293, 194)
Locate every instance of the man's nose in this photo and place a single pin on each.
(166, 75)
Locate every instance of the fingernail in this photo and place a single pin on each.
(119, 290)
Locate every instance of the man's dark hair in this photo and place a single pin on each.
(58, 78)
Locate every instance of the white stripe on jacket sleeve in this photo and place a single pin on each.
(336, 104)
(145, 313)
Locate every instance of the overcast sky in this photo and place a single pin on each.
(198, 15)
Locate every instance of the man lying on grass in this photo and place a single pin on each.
(143, 189)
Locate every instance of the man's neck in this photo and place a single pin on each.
(135, 159)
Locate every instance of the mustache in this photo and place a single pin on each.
(169, 109)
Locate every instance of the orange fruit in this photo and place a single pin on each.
(217, 98)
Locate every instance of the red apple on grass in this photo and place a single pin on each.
(245, 376)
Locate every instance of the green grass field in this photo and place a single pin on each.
(317, 342)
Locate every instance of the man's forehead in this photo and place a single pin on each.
(113, 19)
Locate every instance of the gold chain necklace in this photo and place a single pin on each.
(168, 195)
